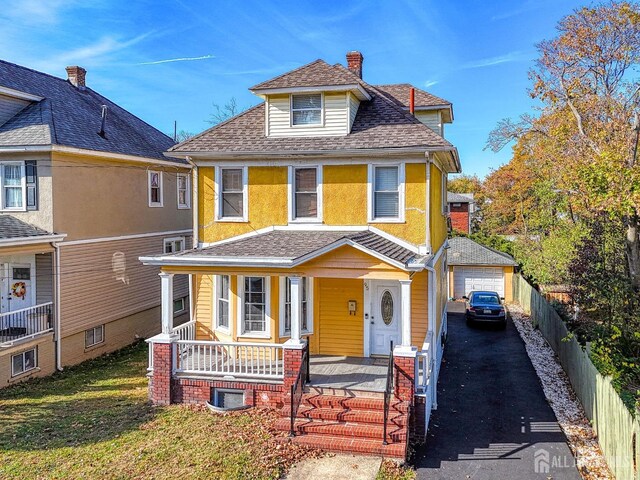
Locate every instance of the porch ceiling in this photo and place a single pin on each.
(291, 248)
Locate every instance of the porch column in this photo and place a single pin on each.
(405, 313)
(296, 310)
(166, 280)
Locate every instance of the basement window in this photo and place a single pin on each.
(227, 399)
(94, 336)
(24, 362)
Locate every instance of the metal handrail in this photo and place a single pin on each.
(26, 322)
(296, 397)
(387, 394)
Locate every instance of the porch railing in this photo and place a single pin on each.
(230, 359)
(27, 322)
(424, 365)
(186, 331)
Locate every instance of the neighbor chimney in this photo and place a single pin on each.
(76, 76)
(354, 62)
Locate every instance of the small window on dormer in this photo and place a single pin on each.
(306, 109)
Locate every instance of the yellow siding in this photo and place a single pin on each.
(203, 306)
(340, 333)
(419, 308)
(441, 291)
(438, 219)
(268, 199)
(345, 194)
(414, 228)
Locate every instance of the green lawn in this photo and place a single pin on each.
(94, 421)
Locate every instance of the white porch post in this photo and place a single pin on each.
(296, 310)
(405, 316)
(166, 280)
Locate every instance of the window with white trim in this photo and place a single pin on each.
(223, 294)
(306, 319)
(386, 192)
(155, 188)
(232, 188)
(305, 193)
(184, 190)
(93, 336)
(24, 362)
(306, 109)
(13, 185)
(254, 305)
(179, 305)
(173, 245)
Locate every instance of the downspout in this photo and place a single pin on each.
(195, 242)
(56, 327)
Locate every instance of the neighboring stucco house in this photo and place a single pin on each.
(322, 236)
(85, 190)
(475, 267)
(461, 210)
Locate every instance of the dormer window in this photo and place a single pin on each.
(306, 109)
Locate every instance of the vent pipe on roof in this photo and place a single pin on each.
(354, 62)
(412, 100)
(103, 121)
(77, 76)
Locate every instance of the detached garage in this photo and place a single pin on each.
(475, 267)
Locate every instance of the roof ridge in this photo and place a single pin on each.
(34, 71)
(210, 129)
(288, 73)
(444, 100)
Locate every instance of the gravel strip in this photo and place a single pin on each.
(560, 395)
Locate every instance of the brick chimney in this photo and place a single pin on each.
(76, 76)
(354, 62)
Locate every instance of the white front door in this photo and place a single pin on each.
(385, 316)
(18, 293)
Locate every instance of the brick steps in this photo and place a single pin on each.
(305, 426)
(353, 445)
(374, 417)
(345, 423)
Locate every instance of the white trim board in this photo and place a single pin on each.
(125, 237)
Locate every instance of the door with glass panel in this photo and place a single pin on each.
(385, 317)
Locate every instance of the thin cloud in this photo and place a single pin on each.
(430, 83)
(182, 59)
(492, 61)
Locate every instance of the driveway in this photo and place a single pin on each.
(493, 421)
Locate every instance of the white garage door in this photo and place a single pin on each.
(466, 279)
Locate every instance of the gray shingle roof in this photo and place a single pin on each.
(379, 123)
(11, 227)
(71, 117)
(399, 93)
(464, 251)
(315, 74)
(291, 245)
(453, 197)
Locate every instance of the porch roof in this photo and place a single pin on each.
(15, 231)
(288, 248)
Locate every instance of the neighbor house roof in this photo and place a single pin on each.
(459, 197)
(11, 227)
(464, 251)
(290, 248)
(71, 116)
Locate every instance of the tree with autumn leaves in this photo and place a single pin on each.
(571, 192)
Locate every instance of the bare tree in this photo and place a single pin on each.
(222, 113)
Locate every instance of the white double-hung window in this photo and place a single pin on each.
(183, 190)
(223, 290)
(155, 189)
(13, 184)
(305, 197)
(306, 109)
(254, 303)
(386, 193)
(231, 194)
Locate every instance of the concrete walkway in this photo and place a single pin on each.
(336, 467)
(493, 421)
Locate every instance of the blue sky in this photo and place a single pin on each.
(170, 60)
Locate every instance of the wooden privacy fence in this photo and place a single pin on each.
(616, 428)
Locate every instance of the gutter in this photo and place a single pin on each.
(195, 241)
(20, 241)
(428, 209)
(57, 338)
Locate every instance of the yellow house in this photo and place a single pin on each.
(321, 259)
